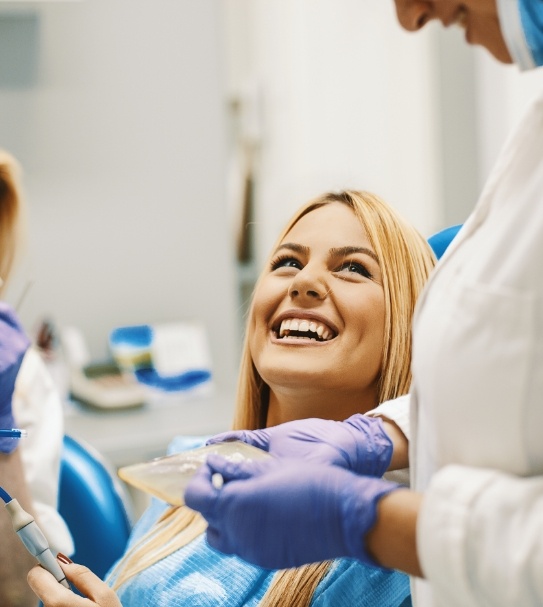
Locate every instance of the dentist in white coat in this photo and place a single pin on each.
(470, 529)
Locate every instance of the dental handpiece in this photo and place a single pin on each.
(32, 537)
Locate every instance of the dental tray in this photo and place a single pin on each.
(167, 477)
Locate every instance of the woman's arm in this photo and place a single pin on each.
(15, 560)
(38, 409)
(392, 541)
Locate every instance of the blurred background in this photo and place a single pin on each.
(165, 142)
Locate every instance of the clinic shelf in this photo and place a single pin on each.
(127, 436)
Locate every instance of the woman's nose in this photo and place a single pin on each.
(307, 285)
(413, 14)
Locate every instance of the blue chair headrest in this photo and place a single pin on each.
(442, 239)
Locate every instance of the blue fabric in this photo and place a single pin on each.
(531, 16)
(350, 583)
(198, 576)
(441, 240)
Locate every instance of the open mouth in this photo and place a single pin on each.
(303, 329)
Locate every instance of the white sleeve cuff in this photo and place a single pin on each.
(396, 410)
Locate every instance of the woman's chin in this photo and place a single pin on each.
(297, 377)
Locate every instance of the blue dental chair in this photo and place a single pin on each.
(92, 503)
(442, 239)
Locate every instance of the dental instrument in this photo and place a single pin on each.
(13, 433)
(32, 537)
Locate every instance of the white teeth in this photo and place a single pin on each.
(304, 326)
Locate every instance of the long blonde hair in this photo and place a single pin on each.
(11, 215)
(406, 261)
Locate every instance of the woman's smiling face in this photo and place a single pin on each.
(318, 314)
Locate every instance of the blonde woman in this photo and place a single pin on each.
(328, 335)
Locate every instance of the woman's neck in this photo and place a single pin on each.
(288, 405)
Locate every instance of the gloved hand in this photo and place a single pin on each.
(359, 443)
(284, 513)
(13, 345)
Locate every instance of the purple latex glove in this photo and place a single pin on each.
(285, 513)
(359, 443)
(13, 345)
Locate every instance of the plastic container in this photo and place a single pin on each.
(167, 477)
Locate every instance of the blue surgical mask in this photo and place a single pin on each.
(521, 23)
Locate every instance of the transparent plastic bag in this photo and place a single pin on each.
(167, 477)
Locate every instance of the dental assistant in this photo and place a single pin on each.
(470, 529)
(29, 469)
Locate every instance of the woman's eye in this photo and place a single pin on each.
(354, 267)
(286, 262)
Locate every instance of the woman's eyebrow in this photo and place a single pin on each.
(344, 251)
(292, 246)
(336, 251)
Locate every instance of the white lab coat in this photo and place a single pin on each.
(477, 398)
(38, 409)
